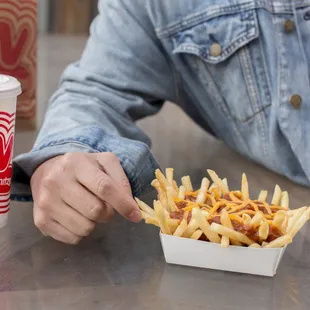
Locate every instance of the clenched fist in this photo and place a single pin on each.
(74, 191)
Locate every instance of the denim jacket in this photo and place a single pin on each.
(239, 68)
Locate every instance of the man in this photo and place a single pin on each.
(239, 68)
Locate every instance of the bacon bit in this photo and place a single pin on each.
(190, 198)
(216, 219)
(221, 208)
(177, 215)
(227, 197)
(181, 204)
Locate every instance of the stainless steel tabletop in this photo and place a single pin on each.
(121, 265)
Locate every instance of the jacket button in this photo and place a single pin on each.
(296, 101)
(215, 50)
(289, 26)
(307, 15)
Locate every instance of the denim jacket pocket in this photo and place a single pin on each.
(228, 50)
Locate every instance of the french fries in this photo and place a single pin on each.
(205, 226)
(230, 233)
(203, 191)
(186, 181)
(215, 214)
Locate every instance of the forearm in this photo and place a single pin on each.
(118, 80)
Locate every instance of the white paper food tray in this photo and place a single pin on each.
(188, 252)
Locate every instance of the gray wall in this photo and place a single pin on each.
(43, 15)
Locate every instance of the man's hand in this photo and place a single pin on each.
(74, 191)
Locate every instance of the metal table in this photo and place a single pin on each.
(121, 265)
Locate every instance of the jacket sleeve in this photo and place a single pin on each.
(122, 76)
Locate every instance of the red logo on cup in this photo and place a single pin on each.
(6, 152)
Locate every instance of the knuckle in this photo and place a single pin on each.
(104, 186)
(49, 180)
(40, 221)
(95, 210)
(66, 161)
(43, 200)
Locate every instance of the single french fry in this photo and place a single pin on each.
(225, 221)
(300, 223)
(152, 221)
(224, 242)
(161, 179)
(246, 219)
(263, 231)
(144, 207)
(197, 234)
(276, 196)
(181, 192)
(213, 186)
(170, 200)
(279, 219)
(216, 179)
(226, 183)
(172, 223)
(262, 196)
(191, 228)
(149, 219)
(156, 185)
(285, 224)
(160, 213)
(254, 245)
(295, 215)
(279, 242)
(169, 176)
(230, 233)
(245, 187)
(185, 215)
(186, 182)
(264, 244)
(205, 213)
(202, 195)
(161, 194)
(285, 200)
(181, 229)
(256, 219)
(175, 187)
(205, 226)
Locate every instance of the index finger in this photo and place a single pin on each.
(104, 187)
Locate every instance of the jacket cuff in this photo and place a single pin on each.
(135, 157)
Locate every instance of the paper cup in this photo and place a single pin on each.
(9, 90)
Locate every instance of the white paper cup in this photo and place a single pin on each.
(10, 88)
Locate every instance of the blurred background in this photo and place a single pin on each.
(72, 17)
